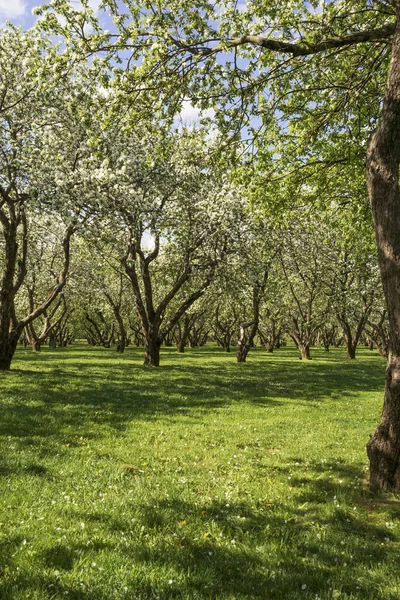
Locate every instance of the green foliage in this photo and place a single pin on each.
(205, 479)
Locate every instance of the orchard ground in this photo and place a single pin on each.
(201, 479)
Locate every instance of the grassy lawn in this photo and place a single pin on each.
(202, 479)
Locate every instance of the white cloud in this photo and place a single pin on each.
(190, 115)
(12, 9)
(94, 5)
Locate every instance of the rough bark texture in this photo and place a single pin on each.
(351, 350)
(12, 277)
(383, 161)
(305, 352)
(7, 350)
(152, 351)
(302, 344)
(245, 340)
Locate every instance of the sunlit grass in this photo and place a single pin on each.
(203, 479)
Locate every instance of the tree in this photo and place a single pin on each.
(103, 286)
(383, 160)
(302, 260)
(353, 288)
(45, 166)
(21, 113)
(225, 322)
(173, 217)
(259, 248)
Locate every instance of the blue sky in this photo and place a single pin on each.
(19, 12)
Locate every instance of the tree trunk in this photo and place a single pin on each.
(152, 351)
(122, 331)
(305, 351)
(383, 159)
(7, 294)
(7, 350)
(302, 346)
(243, 347)
(36, 345)
(351, 349)
(183, 334)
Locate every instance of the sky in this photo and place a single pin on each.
(19, 12)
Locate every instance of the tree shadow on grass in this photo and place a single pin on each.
(232, 550)
(79, 386)
(282, 561)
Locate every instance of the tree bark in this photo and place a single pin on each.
(183, 332)
(7, 350)
(152, 351)
(302, 345)
(351, 350)
(248, 330)
(36, 345)
(383, 160)
(13, 274)
(305, 351)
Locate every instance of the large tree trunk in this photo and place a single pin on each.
(303, 346)
(246, 339)
(351, 350)
(7, 350)
(8, 341)
(383, 159)
(152, 351)
(304, 350)
(243, 345)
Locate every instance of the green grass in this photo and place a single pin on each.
(202, 479)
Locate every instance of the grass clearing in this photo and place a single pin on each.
(201, 479)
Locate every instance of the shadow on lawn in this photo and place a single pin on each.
(267, 551)
(77, 387)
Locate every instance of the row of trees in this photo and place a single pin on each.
(258, 281)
